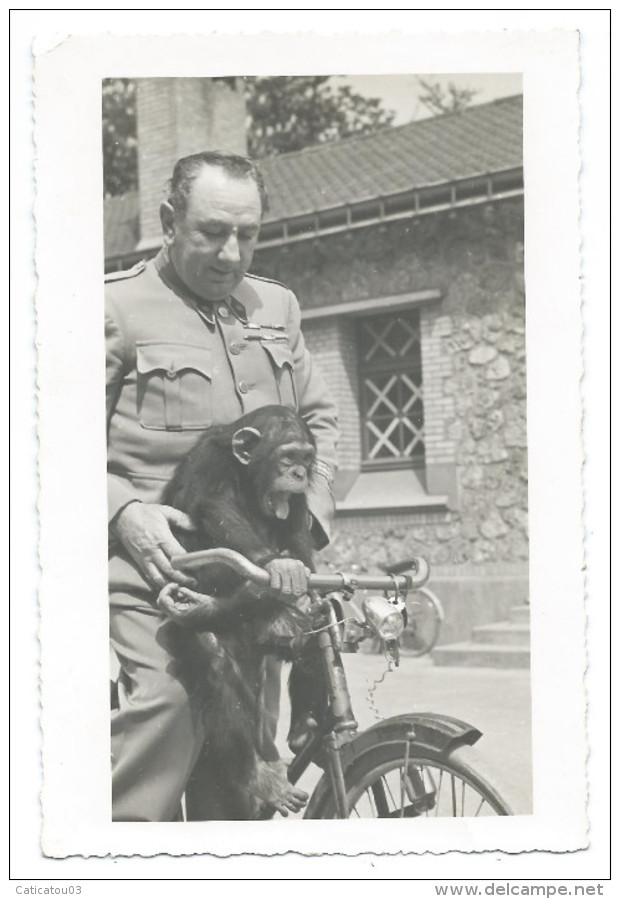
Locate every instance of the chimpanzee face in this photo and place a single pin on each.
(291, 467)
(277, 465)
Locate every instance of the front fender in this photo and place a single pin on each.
(438, 733)
(430, 733)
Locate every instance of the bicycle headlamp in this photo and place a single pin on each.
(385, 620)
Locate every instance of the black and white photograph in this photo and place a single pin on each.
(310, 449)
(311, 255)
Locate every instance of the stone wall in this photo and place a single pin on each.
(474, 255)
(473, 353)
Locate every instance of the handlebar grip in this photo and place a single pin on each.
(399, 567)
(413, 579)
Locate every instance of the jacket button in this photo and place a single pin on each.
(235, 348)
(243, 387)
(223, 312)
(171, 373)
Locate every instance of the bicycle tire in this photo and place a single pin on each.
(426, 617)
(438, 785)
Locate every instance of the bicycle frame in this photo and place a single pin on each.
(344, 726)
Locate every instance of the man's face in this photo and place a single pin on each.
(212, 244)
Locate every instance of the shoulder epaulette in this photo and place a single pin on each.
(267, 280)
(136, 269)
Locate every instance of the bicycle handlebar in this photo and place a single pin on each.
(414, 579)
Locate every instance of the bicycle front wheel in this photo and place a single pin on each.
(393, 782)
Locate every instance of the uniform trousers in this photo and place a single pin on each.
(158, 724)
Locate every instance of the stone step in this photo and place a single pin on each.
(503, 633)
(520, 614)
(480, 655)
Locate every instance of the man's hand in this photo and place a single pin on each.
(144, 531)
(289, 577)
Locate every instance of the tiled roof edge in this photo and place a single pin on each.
(388, 128)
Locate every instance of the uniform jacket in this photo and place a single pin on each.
(174, 368)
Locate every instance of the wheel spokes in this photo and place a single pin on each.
(411, 789)
(482, 802)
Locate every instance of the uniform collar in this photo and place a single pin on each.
(237, 308)
(205, 308)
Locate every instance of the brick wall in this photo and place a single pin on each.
(332, 344)
(439, 442)
(156, 148)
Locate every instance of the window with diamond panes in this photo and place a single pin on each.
(392, 408)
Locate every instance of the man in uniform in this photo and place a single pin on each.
(192, 341)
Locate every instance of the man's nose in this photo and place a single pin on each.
(230, 249)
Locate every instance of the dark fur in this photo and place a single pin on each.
(226, 641)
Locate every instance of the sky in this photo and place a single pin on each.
(400, 93)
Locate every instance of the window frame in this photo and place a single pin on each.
(388, 366)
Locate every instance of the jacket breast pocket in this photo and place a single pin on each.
(174, 386)
(281, 359)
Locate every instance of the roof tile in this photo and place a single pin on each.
(479, 140)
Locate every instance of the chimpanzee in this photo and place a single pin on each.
(244, 487)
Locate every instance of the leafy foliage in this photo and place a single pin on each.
(120, 159)
(289, 113)
(440, 100)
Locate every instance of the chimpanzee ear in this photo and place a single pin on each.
(244, 442)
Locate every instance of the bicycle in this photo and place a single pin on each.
(408, 766)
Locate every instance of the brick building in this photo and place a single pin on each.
(405, 249)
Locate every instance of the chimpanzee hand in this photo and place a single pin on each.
(197, 610)
(289, 577)
(144, 531)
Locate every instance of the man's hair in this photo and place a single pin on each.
(189, 168)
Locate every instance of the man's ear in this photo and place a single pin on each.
(166, 214)
(244, 442)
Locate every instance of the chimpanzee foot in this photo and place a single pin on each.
(270, 785)
(301, 731)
